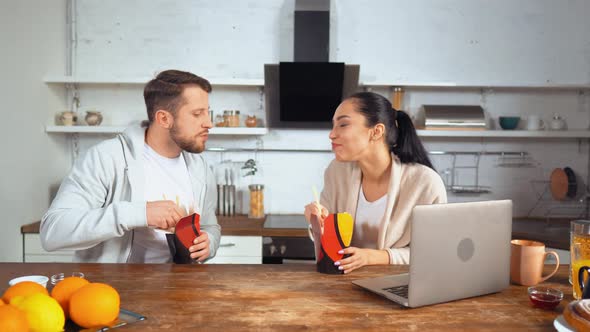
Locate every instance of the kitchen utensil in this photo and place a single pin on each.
(527, 259)
(226, 193)
(563, 183)
(232, 194)
(534, 122)
(219, 208)
(316, 197)
(509, 122)
(572, 183)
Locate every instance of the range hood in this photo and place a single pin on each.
(306, 92)
(312, 31)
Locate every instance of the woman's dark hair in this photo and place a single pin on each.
(401, 135)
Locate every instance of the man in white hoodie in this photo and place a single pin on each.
(121, 197)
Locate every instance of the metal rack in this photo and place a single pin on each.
(476, 188)
(573, 208)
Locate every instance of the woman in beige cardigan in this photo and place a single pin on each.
(380, 173)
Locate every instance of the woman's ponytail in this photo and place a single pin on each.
(401, 138)
(407, 146)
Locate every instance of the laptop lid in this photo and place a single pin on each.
(459, 250)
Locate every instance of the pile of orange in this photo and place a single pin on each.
(86, 304)
(12, 319)
(94, 305)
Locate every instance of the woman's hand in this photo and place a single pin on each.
(316, 210)
(361, 257)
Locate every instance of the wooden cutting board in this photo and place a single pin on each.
(559, 184)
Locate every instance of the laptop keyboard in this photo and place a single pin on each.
(398, 290)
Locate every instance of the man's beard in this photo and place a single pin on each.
(185, 144)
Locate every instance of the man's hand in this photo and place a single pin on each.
(200, 250)
(163, 214)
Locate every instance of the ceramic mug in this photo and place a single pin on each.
(527, 259)
(534, 122)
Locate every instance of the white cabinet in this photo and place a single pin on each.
(34, 253)
(232, 250)
(239, 250)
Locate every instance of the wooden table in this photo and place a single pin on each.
(291, 297)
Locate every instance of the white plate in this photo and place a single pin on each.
(561, 325)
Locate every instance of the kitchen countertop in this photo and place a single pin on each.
(271, 225)
(554, 233)
(285, 297)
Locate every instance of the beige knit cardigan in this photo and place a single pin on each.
(410, 185)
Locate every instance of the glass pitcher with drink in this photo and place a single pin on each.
(580, 258)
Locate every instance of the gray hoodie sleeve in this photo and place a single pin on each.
(208, 219)
(83, 213)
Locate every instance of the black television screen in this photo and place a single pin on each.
(310, 91)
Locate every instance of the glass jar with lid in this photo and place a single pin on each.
(227, 117)
(256, 201)
(235, 119)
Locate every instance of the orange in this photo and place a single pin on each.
(23, 289)
(12, 319)
(94, 305)
(64, 289)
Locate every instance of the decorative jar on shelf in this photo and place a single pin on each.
(67, 118)
(93, 118)
(557, 123)
(251, 121)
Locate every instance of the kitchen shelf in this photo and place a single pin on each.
(118, 129)
(476, 86)
(144, 80)
(506, 133)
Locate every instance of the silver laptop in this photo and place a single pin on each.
(457, 251)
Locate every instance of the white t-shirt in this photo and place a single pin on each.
(367, 221)
(165, 179)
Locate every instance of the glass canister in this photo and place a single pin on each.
(235, 119)
(580, 256)
(398, 98)
(256, 201)
(219, 121)
(227, 117)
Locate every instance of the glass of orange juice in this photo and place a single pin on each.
(580, 256)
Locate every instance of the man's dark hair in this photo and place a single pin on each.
(164, 92)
